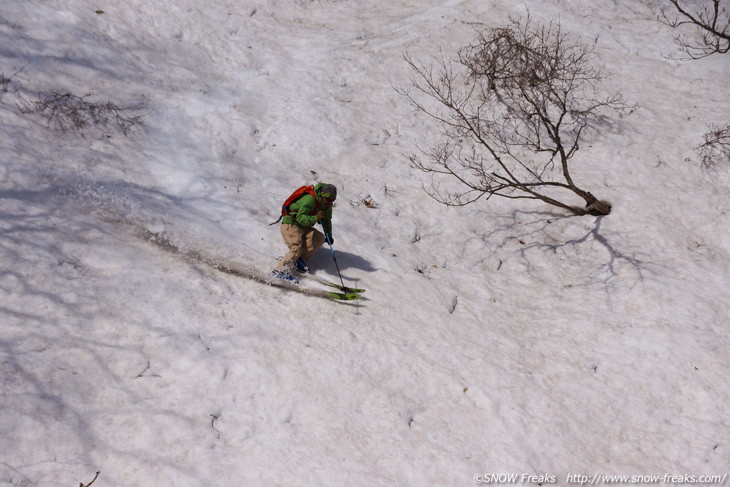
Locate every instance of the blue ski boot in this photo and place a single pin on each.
(302, 266)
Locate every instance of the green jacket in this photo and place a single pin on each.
(303, 212)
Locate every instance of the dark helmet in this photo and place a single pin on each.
(328, 191)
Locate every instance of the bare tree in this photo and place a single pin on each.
(708, 24)
(512, 109)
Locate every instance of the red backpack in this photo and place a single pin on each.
(294, 197)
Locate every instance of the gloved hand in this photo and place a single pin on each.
(332, 239)
(320, 216)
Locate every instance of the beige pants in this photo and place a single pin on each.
(301, 242)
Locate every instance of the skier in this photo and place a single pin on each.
(313, 205)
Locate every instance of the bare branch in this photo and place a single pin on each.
(707, 23)
(92, 481)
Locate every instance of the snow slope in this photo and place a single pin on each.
(495, 338)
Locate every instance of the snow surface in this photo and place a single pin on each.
(503, 337)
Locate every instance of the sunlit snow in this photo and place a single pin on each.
(505, 337)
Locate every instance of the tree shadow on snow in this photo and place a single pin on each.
(35, 336)
(579, 243)
(59, 356)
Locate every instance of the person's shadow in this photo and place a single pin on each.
(324, 260)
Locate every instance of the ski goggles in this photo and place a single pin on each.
(328, 196)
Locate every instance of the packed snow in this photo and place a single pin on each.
(501, 338)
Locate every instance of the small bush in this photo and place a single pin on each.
(69, 112)
(716, 147)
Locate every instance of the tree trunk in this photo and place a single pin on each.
(596, 207)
